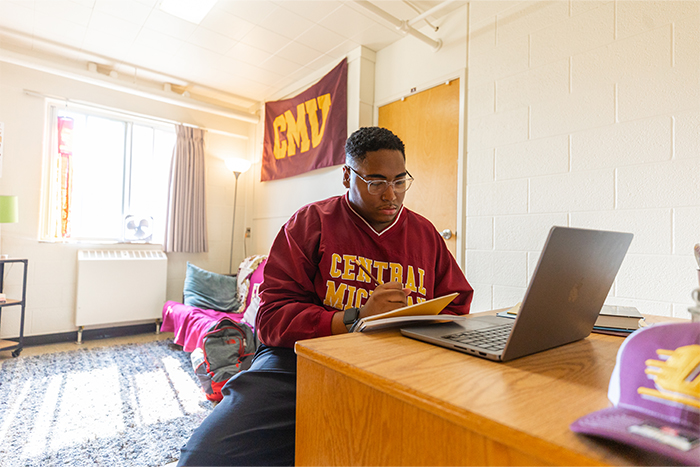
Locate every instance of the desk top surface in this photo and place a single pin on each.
(530, 400)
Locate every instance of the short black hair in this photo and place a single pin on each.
(371, 138)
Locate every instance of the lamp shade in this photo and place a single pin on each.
(9, 209)
(235, 164)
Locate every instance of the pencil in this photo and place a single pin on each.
(359, 263)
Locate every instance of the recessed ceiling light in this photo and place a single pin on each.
(193, 11)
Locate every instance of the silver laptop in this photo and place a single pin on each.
(568, 288)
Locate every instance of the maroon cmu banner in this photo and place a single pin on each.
(308, 131)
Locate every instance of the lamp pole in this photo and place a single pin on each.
(237, 166)
(233, 222)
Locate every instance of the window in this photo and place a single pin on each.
(107, 176)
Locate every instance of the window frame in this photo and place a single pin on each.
(48, 222)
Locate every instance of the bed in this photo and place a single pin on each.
(209, 297)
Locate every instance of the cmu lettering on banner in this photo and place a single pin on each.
(295, 129)
(308, 131)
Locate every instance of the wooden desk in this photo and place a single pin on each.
(384, 399)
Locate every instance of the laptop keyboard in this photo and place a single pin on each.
(493, 338)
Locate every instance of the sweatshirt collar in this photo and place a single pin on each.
(389, 228)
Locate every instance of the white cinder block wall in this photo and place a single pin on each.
(584, 114)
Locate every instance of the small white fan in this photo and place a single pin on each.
(138, 228)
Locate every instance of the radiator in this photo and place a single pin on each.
(116, 286)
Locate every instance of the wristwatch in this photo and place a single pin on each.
(350, 317)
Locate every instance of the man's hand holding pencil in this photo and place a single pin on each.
(385, 297)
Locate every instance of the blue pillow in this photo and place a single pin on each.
(209, 290)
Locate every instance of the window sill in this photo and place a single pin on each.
(97, 242)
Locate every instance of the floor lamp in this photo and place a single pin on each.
(237, 166)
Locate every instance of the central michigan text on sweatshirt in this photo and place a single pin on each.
(311, 272)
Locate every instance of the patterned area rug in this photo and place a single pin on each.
(127, 405)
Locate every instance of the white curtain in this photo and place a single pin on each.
(186, 221)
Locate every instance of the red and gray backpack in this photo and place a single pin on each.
(227, 349)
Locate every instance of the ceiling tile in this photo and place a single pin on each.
(227, 81)
(60, 31)
(347, 22)
(292, 78)
(197, 75)
(247, 87)
(298, 53)
(343, 49)
(265, 39)
(170, 25)
(313, 11)
(323, 61)
(227, 24)
(148, 58)
(279, 65)
(247, 53)
(16, 17)
(233, 66)
(263, 77)
(253, 11)
(400, 10)
(87, 3)
(196, 57)
(238, 68)
(63, 9)
(377, 38)
(151, 39)
(108, 24)
(184, 72)
(127, 10)
(106, 45)
(321, 39)
(211, 40)
(286, 23)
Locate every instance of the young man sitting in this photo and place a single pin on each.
(312, 287)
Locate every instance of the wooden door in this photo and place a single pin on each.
(428, 124)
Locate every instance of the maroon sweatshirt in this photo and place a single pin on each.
(310, 273)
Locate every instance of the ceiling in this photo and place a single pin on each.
(240, 54)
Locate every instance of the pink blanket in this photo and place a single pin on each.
(189, 324)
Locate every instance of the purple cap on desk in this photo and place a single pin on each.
(655, 391)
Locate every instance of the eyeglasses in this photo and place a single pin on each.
(377, 187)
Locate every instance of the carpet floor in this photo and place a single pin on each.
(125, 405)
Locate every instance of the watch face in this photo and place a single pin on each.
(351, 315)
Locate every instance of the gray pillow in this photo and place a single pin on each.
(209, 290)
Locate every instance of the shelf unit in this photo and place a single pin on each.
(15, 347)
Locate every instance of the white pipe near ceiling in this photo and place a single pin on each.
(97, 79)
(399, 24)
(427, 13)
(94, 59)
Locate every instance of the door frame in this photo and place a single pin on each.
(461, 233)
